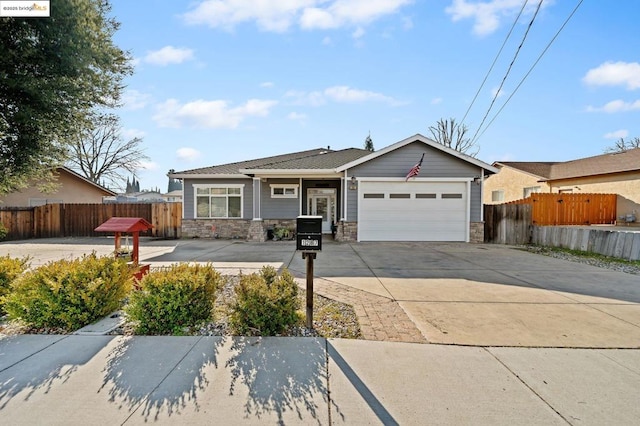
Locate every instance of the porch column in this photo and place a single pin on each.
(257, 190)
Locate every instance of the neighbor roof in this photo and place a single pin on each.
(319, 158)
(617, 162)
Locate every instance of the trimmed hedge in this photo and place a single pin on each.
(266, 304)
(171, 300)
(69, 294)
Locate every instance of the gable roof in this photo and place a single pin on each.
(320, 160)
(419, 138)
(616, 162)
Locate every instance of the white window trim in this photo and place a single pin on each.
(284, 186)
(217, 185)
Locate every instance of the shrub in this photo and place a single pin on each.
(10, 269)
(3, 231)
(171, 300)
(69, 294)
(265, 303)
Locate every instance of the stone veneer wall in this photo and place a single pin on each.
(216, 228)
(347, 231)
(251, 230)
(476, 232)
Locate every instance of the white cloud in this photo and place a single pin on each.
(209, 114)
(338, 94)
(615, 74)
(616, 106)
(169, 55)
(359, 32)
(622, 133)
(488, 15)
(133, 99)
(407, 23)
(495, 93)
(281, 15)
(149, 165)
(436, 101)
(296, 116)
(267, 84)
(129, 134)
(326, 41)
(187, 154)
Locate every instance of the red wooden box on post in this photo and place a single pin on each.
(131, 225)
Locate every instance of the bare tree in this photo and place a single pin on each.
(99, 152)
(454, 135)
(621, 145)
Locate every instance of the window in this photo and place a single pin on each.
(497, 195)
(451, 196)
(373, 195)
(218, 201)
(425, 195)
(530, 190)
(399, 195)
(284, 191)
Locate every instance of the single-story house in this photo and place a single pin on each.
(71, 188)
(362, 195)
(611, 173)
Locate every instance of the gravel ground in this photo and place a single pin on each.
(600, 262)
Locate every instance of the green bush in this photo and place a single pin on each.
(3, 231)
(174, 299)
(10, 269)
(265, 303)
(69, 294)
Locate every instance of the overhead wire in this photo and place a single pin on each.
(532, 67)
(494, 61)
(524, 37)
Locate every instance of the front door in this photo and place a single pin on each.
(322, 202)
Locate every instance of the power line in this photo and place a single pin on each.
(524, 37)
(494, 61)
(532, 67)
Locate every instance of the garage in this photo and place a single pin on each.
(417, 210)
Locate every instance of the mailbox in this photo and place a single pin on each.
(309, 233)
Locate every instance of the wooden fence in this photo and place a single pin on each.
(571, 209)
(507, 223)
(80, 220)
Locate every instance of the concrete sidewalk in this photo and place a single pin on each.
(108, 380)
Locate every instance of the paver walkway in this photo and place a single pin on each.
(381, 318)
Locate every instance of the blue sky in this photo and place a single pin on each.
(219, 81)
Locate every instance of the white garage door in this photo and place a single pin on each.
(412, 211)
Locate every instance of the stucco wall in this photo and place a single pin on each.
(512, 182)
(71, 190)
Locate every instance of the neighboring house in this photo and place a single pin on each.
(72, 188)
(364, 194)
(613, 173)
(174, 196)
(137, 197)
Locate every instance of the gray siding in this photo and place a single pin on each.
(279, 208)
(397, 163)
(189, 195)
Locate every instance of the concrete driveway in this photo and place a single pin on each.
(454, 293)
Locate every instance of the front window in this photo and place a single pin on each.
(219, 201)
(497, 196)
(284, 191)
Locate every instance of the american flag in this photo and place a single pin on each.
(415, 169)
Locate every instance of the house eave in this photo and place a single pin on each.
(207, 176)
(305, 173)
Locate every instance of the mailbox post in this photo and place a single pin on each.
(309, 241)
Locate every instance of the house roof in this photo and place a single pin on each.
(320, 160)
(617, 162)
(314, 159)
(79, 176)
